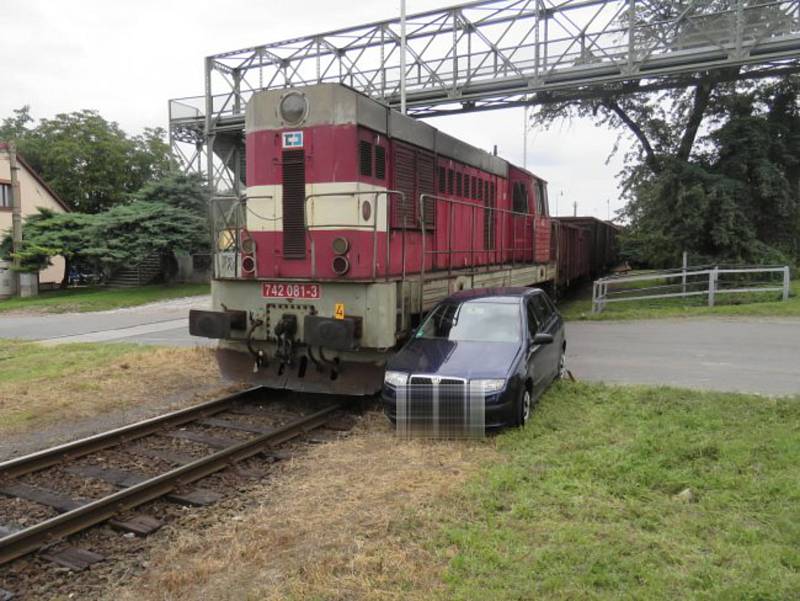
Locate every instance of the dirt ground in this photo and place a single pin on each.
(334, 523)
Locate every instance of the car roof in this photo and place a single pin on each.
(496, 295)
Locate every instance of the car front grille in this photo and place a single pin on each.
(440, 407)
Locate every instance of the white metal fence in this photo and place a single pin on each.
(690, 282)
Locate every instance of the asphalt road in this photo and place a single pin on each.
(759, 355)
(163, 323)
(742, 354)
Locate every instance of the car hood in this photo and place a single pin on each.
(458, 359)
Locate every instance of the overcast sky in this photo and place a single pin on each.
(126, 58)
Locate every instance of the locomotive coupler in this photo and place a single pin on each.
(285, 332)
(258, 355)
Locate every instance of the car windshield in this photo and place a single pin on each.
(478, 321)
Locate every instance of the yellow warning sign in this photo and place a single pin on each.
(338, 311)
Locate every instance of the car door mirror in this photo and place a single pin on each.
(542, 338)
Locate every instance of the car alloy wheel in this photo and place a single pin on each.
(562, 365)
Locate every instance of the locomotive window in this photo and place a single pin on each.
(479, 194)
(467, 188)
(459, 184)
(492, 188)
(365, 158)
(442, 179)
(486, 190)
(541, 198)
(520, 198)
(449, 181)
(380, 162)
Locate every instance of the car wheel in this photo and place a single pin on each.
(562, 365)
(525, 405)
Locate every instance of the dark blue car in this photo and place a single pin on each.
(508, 343)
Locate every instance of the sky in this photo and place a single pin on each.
(126, 58)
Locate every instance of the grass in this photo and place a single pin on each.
(590, 502)
(43, 385)
(99, 299)
(579, 306)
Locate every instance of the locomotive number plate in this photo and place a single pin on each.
(284, 290)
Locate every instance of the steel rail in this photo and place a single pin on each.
(50, 531)
(85, 446)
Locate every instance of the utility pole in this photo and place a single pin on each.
(575, 209)
(16, 212)
(525, 139)
(403, 56)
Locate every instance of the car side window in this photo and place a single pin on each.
(541, 309)
(533, 322)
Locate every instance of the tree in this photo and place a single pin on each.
(103, 241)
(714, 168)
(183, 190)
(90, 162)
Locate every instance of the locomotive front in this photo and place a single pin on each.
(302, 294)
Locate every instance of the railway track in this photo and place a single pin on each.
(231, 430)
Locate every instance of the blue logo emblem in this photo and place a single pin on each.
(293, 139)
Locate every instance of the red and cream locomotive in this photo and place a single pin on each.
(357, 220)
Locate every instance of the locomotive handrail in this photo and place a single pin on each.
(376, 194)
(472, 206)
(231, 222)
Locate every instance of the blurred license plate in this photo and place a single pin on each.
(285, 290)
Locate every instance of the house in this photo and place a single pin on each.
(34, 193)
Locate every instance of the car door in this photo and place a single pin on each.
(536, 352)
(549, 323)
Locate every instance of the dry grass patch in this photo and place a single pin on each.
(41, 385)
(337, 523)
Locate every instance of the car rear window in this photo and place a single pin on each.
(473, 321)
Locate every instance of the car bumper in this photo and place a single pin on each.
(498, 414)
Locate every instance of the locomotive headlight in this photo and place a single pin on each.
(340, 245)
(340, 265)
(395, 378)
(293, 108)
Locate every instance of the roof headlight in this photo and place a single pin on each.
(293, 108)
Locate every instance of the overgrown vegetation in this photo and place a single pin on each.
(641, 493)
(99, 299)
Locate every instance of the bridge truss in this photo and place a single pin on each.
(490, 54)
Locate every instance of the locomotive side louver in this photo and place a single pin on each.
(294, 194)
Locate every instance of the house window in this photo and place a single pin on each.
(5, 196)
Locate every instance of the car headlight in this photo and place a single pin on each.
(395, 378)
(489, 386)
